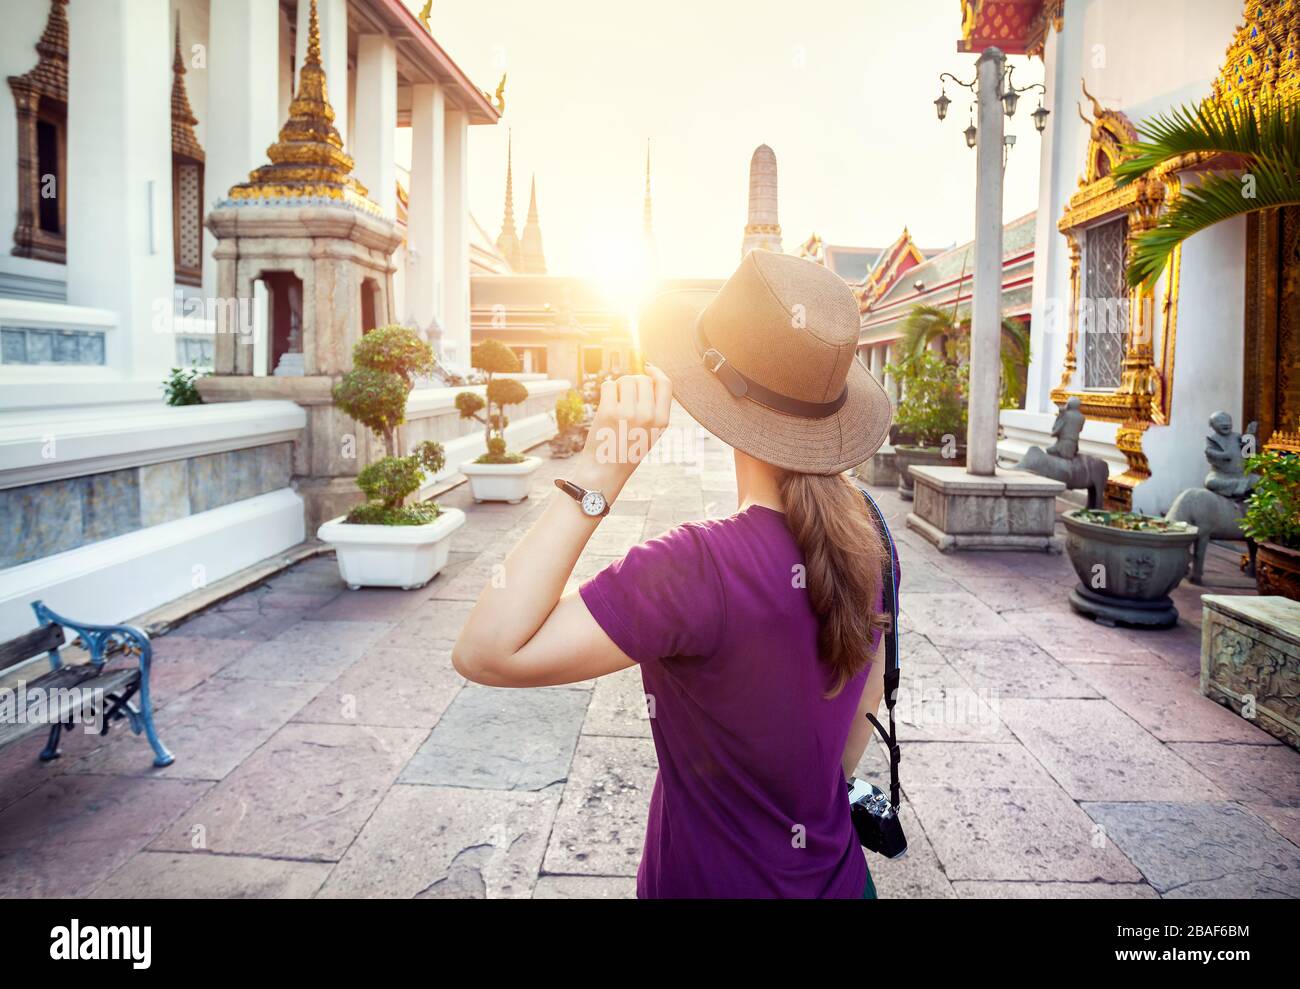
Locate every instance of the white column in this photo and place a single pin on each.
(119, 183)
(986, 302)
(243, 111)
(455, 292)
(376, 130)
(332, 16)
(424, 226)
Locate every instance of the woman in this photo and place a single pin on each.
(756, 634)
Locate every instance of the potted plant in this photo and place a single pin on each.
(1127, 564)
(1272, 520)
(932, 412)
(385, 542)
(571, 421)
(499, 474)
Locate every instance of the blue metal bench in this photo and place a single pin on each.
(99, 692)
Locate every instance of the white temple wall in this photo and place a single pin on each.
(1142, 58)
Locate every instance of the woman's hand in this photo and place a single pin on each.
(630, 417)
(524, 631)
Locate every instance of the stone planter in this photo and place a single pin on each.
(406, 556)
(906, 456)
(1277, 571)
(1250, 660)
(501, 482)
(880, 469)
(1125, 575)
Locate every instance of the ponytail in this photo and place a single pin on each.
(843, 557)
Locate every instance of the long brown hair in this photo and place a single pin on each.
(843, 555)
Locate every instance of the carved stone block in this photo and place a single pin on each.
(1250, 660)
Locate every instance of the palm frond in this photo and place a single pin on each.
(924, 325)
(1266, 131)
(1219, 197)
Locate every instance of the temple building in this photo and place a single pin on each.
(560, 326)
(905, 276)
(1219, 330)
(214, 184)
(762, 229)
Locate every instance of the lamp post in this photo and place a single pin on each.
(995, 95)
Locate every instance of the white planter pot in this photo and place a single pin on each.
(406, 556)
(501, 482)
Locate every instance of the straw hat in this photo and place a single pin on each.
(768, 364)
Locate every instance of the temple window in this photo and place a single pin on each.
(41, 104)
(1104, 303)
(187, 179)
(1109, 362)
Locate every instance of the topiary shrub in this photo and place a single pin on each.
(386, 362)
(493, 357)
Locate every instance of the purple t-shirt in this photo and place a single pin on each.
(750, 799)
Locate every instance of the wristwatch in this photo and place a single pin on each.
(593, 503)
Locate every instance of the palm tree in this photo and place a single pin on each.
(1261, 147)
(928, 325)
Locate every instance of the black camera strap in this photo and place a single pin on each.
(890, 593)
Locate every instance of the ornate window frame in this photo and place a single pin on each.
(1142, 397)
(187, 170)
(41, 95)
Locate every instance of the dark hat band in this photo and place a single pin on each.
(744, 387)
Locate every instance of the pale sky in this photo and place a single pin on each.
(842, 90)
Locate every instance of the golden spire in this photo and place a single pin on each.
(308, 161)
(508, 240)
(1263, 60)
(184, 141)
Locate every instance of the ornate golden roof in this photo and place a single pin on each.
(49, 77)
(184, 141)
(1263, 60)
(308, 162)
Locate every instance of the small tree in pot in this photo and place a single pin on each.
(1272, 520)
(499, 474)
(385, 541)
(932, 410)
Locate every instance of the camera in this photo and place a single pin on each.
(875, 819)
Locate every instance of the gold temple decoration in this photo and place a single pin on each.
(187, 179)
(308, 162)
(1263, 59)
(1050, 15)
(1262, 62)
(1143, 394)
(184, 142)
(41, 96)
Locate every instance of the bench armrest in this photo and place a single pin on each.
(99, 639)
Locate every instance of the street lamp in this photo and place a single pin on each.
(1008, 92)
(996, 99)
(1040, 117)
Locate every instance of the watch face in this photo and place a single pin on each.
(593, 503)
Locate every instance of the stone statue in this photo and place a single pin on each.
(1062, 461)
(1067, 427)
(1224, 451)
(1217, 509)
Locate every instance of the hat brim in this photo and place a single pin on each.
(829, 445)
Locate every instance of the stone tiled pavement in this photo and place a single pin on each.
(325, 746)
